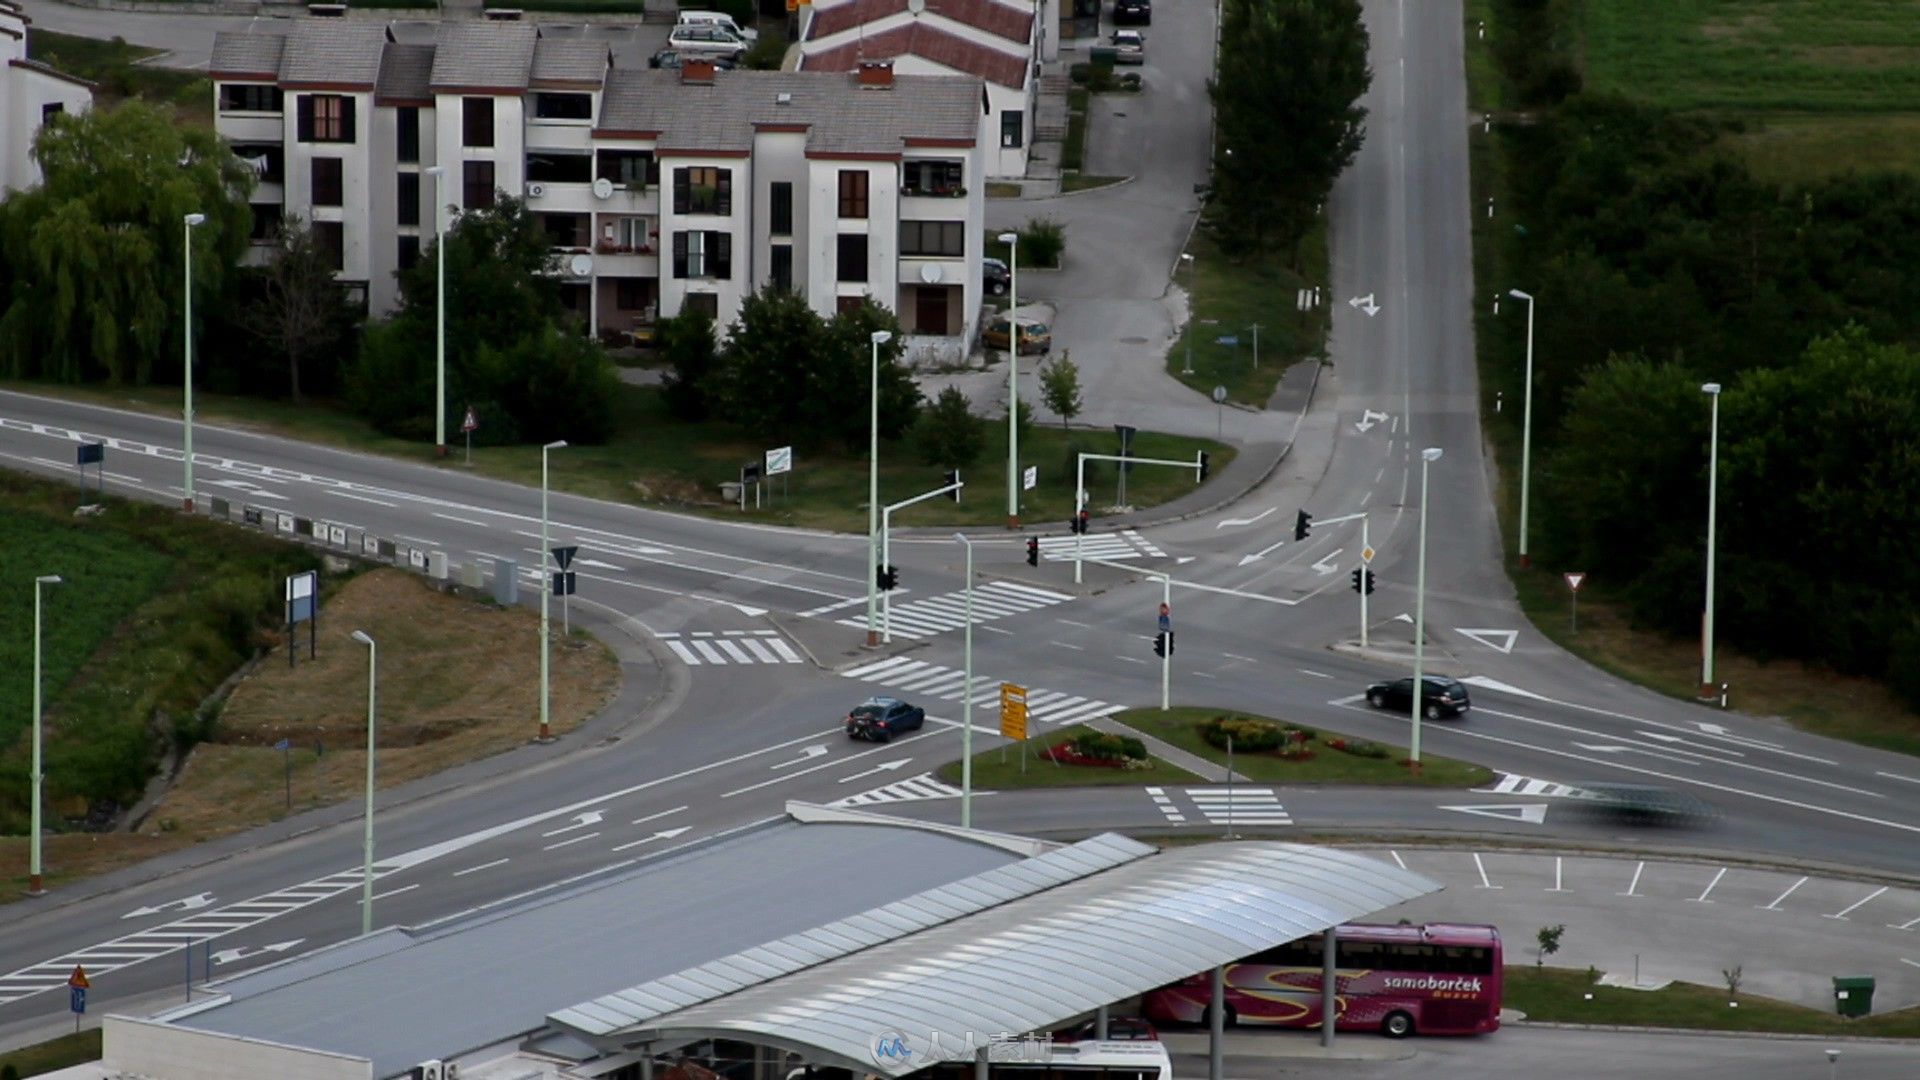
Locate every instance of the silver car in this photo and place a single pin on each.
(703, 39)
(1129, 47)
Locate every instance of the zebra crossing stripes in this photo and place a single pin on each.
(1166, 805)
(731, 647)
(912, 789)
(948, 611)
(924, 680)
(1240, 806)
(1124, 544)
(1510, 784)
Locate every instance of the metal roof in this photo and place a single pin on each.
(1027, 963)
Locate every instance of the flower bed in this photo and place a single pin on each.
(1097, 749)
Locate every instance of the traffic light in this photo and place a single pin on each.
(1206, 463)
(1301, 529)
(1355, 577)
(953, 481)
(886, 576)
(1368, 580)
(1033, 551)
(1082, 521)
(1073, 525)
(1160, 642)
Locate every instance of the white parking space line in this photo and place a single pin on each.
(1556, 875)
(1843, 912)
(1482, 867)
(1908, 925)
(1398, 859)
(1702, 898)
(1635, 884)
(1775, 906)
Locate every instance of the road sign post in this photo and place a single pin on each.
(95, 454)
(286, 759)
(780, 464)
(1013, 717)
(1080, 491)
(886, 547)
(563, 582)
(1574, 578)
(467, 427)
(1126, 451)
(303, 600)
(1366, 560)
(1219, 411)
(77, 984)
(1166, 657)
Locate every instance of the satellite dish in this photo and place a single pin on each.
(930, 274)
(582, 265)
(603, 188)
(916, 6)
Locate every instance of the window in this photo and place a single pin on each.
(51, 110)
(780, 207)
(630, 293)
(477, 177)
(624, 234)
(409, 252)
(551, 106)
(930, 177)
(331, 237)
(548, 167)
(325, 118)
(631, 168)
(703, 254)
(268, 160)
(853, 194)
(265, 224)
(703, 190)
(937, 238)
(407, 136)
(704, 304)
(565, 230)
(476, 121)
(407, 200)
(1012, 129)
(327, 181)
(781, 277)
(852, 257)
(849, 305)
(249, 97)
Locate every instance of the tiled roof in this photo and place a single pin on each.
(246, 54)
(52, 72)
(570, 60)
(930, 44)
(333, 52)
(405, 73)
(831, 19)
(483, 55)
(1006, 21)
(839, 115)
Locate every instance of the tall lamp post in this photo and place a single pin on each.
(1526, 430)
(33, 846)
(190, 222)
(1427, 457)
(546, 590)
(439, 314)
(1012, 240)
(966, 710)
(878, 338)
(1187, 260)
(1707, 687)
(366, 866)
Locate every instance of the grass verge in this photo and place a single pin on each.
(1180, 727)
(1074, 150)
(999, 190)
(54, 1054)
(1227, 299)
(115, 68)
(1001, 768)
(1553, 995)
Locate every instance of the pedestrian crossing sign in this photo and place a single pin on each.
(1013, 711)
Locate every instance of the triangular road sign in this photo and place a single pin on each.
(1531, 813)
(1498, 640)
(1574, 578)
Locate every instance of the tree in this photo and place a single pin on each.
(950, 435)
(93, 256)
(850, 334)
(686, 340)
(1547, 942)
(788, 373)
(1060, 387)
(300, 311)
(1287, 122)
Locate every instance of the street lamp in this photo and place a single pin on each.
(966, 710)
(440, 315)
(878, 338)
(1188, 260)
(1012, 240)
(1707, 688)
(33, 847)
(1427, 457)
(1526, 430)
(366, 868)
(191, 221)
(546, 588)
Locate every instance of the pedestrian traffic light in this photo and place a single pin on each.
(953, 481)
(1301, 529)
(1160, 643)
(1206, 463)
(1355, 578)
(1368, 580)
(1033, 551)
(1083, 521)
(886, 576)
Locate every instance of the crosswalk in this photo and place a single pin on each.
(924, 680)
(719, 647)
(912, 789)
(1240, 806)
(948, 611)
(1124, 544)
(1510, 784)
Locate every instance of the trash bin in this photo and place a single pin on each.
(1103, 56)
(1853, 996)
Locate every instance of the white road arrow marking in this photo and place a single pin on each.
(1184, 560)
(597, 564)
(1367, 420)
(1637, 750)
(580, 821)
(1403, 617)
(185, 903)
(228, 956)
(1661, 736)
(807, 754)
(1497, 640)
(1246, 521)
(1324, 566)
(1262, 553)
(885, 766)
(1531, 813)
(1366, 304)
(663, 834)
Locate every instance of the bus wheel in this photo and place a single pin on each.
(1397, 1025)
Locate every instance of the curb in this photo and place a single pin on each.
(1783, 1036)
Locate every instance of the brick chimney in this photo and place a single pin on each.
(696, 71)
(876, 74)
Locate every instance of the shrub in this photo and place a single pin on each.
(1249, 735)
(1043, 240)
(1101, 746)
(1357, 747)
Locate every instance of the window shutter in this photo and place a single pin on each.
(304, 117)
(721, 244)
(346, 122)
(679, 253)
(725, 194)
(682, 193)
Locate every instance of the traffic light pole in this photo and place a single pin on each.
(1080, 493)
(1364, 546)
(886, 550)
(1166, 600)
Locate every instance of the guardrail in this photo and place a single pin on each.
(499, 577)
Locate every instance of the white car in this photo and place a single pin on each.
(720, 19)
(1129, 47)
(704, 39)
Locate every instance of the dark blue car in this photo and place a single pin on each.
(880, 719)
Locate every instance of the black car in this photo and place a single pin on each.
(996, 276)
(880, 719)
(1133, 12)
(672, 58)
(1440, 697)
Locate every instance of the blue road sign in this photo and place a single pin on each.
(77, 998)
(1227, 339)
(1166, 622)
(282, 745)
(91, 453)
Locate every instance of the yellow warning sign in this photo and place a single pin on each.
(1013, 711)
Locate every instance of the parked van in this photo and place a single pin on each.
(720, 19)
(705, 39)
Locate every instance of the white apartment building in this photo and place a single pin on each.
(660, 189)
(31, 93)
(999, 43)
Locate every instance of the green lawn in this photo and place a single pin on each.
(1554, 995)
(1001, 769)
(54, 1054)
(1792, 148)
(1228, 299)
(1179, 727)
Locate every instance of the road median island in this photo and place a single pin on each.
(1559, 996)
(1273, 751)
(1080, 757)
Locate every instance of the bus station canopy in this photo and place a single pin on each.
(1019, 948)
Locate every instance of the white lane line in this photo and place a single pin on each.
(1070, 622)
(661, 814)
(1635, 884)
(1064, 645)
(570, 840)
(1130, 659)
(416, 540)
(1315, 674)
(461, 520)
(1897, 776)
(1702, 898)
(1243, 659)
(993, 630)
(477, 869)
(1911, 963)
(1202, 675)
(393, 892)
(1482, 867)
(1556, 875)
(1775, 906)
(1843, 912)
(338, 494)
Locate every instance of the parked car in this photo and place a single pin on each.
(1133, 13)
(996, 276)
(880, 719)
(1119, 1029)
(1440, 697)
(668, 58)
(1035, 337)
(720, 19)
(704, 40)
(1129, 47)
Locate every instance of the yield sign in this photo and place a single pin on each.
(1531, 813)
(1574, 578)
(1498, 640)
(471, 423)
